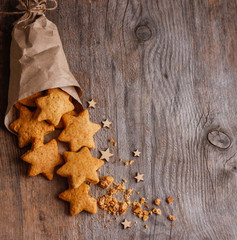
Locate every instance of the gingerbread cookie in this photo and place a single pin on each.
(80, 167)
(79, 131)
(28, 128)
(61, 124)
(53, 106)
(79, 200)
(43, 158)
(31, 100)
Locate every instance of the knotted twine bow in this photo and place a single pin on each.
(32, 8)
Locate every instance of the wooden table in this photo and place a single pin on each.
(165, 73)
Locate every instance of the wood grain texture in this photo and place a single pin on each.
(164, 72)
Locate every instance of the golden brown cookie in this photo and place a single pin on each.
(79, 200)
(17, 105)
(43, 158)
(80, 167)
(30, 101)
(28, 128)
(79, 131)
(53, 106)
(61, 124)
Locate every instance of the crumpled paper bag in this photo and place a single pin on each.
(37, 63)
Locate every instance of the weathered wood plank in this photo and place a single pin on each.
(164, 72)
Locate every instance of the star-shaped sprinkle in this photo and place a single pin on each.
(126, 224)
(28, 128)
(136, 153)
(43, 158)
(106, 123)
(53, 106)
(79, 131)
(139, 177)
(106, 155)
(80, 167)
(92, 103)
(79, 200)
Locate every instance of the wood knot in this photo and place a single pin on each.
(143, 32)
(219, 139)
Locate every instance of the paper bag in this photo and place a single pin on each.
(37, 62)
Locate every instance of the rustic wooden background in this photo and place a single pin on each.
(165, 73)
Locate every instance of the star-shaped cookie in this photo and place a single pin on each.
(106, 155)
(106, 123)
(43, 158)
(126, 224)
(80, 167)
(139, 177)
(28, 128)
(92, 103)
(31, 100)
(61, 124)
(79, 200)
(136, 153)
(53, 106)
(79, 131)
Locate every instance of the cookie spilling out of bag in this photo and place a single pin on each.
(39, 115)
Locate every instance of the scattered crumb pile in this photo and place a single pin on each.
(112, 203)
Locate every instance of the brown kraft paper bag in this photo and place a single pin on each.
(37, 59)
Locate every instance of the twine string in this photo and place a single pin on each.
(36, 7)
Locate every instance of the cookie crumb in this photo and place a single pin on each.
(156, 211)
(170, 200)
(120, 159)
(147, 206)
(131, 162)
(112, 141)
(142, 200)
(171, 218)
(129, 191)
(145, 218)
(106, 226)
(146, 226)
(106, 181)
(157, 202)
(124, 180)
(138, 192)
(126, 163)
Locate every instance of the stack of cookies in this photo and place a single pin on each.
(39, 115)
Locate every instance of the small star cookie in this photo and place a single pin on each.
(43, 158)
(106, 155)
(53, 106)
(80, 167)
(31, 100)
(79, 131)
(28, 128)
(136, 153)
(79, 200)
(139, 177)
(92, 103)
(126, 224)
(106, 123)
